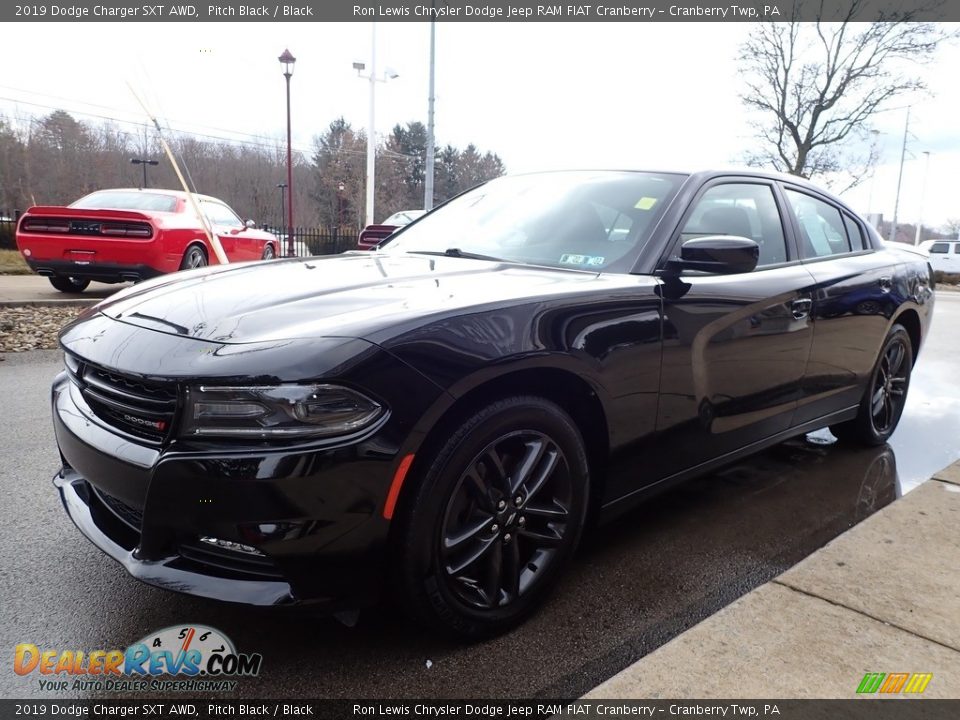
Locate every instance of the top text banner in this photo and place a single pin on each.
(480, 11)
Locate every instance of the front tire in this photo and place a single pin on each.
(268, 252)
(494, 519)
(886, 394)
(67, 284)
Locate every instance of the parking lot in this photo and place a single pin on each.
(635, 584)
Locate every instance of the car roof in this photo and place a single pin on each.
(157, 191)
(700, 176)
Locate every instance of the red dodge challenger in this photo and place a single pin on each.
(128, 235)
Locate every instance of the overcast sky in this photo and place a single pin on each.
(542, 96)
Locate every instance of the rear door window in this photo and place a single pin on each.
(854, 234)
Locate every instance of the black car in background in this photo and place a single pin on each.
(441, 417)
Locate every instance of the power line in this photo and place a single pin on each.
(303, 152)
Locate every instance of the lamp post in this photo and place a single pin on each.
(288, 60)
(143, 162)
(340, 189)
(388, 74)
(923, 193)
(282, 186)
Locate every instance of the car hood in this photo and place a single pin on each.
(352, 295)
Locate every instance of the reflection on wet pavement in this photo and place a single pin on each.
(928, 437)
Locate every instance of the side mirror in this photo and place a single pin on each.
(718, 254)
(250, 224)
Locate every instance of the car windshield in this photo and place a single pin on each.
(577, 220)
(403, 217)
(127, 200)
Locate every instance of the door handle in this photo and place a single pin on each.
(801, 307)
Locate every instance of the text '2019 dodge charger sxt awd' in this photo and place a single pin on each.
(441, 416)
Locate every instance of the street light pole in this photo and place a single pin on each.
(142, 162)
(282, 186)
(287, 59)
(923, 193)
(371, 132)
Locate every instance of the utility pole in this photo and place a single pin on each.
(371, 133)
(896, 202)
(431, 150)
(923, 193)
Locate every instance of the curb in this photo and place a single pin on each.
(849, 607)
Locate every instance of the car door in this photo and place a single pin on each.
(855, 293)
(944, 257)
(229, 228)
(734, 346)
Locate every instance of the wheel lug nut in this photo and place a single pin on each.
(518, 499)
(501, 505)
(494, 528)
(506, 538)
(521, 521)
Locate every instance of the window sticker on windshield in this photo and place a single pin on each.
(583, 260)
(645, 203)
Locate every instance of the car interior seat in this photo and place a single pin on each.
(726, 221)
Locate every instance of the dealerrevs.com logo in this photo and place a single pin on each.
(203, 654)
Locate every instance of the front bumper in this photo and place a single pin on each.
(83, 505)
(313, 515)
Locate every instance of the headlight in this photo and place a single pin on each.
(277, 411)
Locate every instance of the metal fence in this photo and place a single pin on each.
(315, 241)
(306, 241)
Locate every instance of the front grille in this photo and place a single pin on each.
(143, 409)
(127, 513)
(228, 563)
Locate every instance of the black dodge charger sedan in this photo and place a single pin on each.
(442, 417)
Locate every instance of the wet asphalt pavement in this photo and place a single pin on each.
(635, 584)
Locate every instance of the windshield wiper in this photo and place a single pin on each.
(458, 253)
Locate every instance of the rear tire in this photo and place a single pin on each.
(494, 519)
(885, 396)
(68, 284)
(194, 257)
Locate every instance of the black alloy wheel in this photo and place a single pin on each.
(886, 394)
(195, 257)
(67, 284)
(505, 518)
(496, 516)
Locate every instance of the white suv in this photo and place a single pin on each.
(944, 255)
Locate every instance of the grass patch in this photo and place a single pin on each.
(12, 263)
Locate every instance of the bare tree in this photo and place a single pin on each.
(816, 85)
